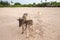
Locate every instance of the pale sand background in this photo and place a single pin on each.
(48, 22)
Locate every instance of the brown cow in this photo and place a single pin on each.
(24, 23)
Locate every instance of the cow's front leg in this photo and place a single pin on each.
(22, 29)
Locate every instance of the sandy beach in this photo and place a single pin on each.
(45, 20)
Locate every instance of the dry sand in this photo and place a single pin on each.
(46, 23)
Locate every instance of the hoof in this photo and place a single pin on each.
(22, 32)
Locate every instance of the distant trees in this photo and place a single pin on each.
(29, 5)
(4, 3)
(17, 4)
(42, 4)
(34, 4)
(55, 4)
(49, 4)
(38, 5)
(58, 4)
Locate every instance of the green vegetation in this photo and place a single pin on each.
(4, 4)
(42, 4)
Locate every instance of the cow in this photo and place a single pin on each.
(25, 22)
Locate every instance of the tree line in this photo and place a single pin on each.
(17, 4)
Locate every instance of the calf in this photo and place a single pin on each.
(24, 23)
